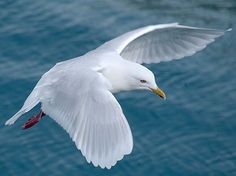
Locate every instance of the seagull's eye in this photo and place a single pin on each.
(143, 81)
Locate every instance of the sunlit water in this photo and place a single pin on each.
(192, 133)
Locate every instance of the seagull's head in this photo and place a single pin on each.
(142, 78)
(124, 75)
(145, 79)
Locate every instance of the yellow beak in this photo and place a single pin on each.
(159, 92)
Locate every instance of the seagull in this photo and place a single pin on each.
(78, 93)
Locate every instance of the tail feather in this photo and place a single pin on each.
(30, 102)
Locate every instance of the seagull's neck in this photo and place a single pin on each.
(119, 73)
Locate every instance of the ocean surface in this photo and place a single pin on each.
(193, 132)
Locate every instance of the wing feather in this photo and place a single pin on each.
(89, 112)
(169, 41)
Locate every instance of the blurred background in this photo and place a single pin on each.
(192, 133)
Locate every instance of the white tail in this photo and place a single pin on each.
(30, 102)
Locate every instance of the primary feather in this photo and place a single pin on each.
(165, 42)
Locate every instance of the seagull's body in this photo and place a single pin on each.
(77, 93)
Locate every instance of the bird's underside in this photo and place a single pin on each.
(77, 93)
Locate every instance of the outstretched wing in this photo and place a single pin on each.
(165, 42)
(82, 104)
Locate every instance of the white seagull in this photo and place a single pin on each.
(78, 93)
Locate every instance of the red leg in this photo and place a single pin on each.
(33, 120)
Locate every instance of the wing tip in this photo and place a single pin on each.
(228, 30)
(13, 119)
(9, 122)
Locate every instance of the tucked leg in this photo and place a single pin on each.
(33, 120)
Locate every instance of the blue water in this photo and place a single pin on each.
(192, 133)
